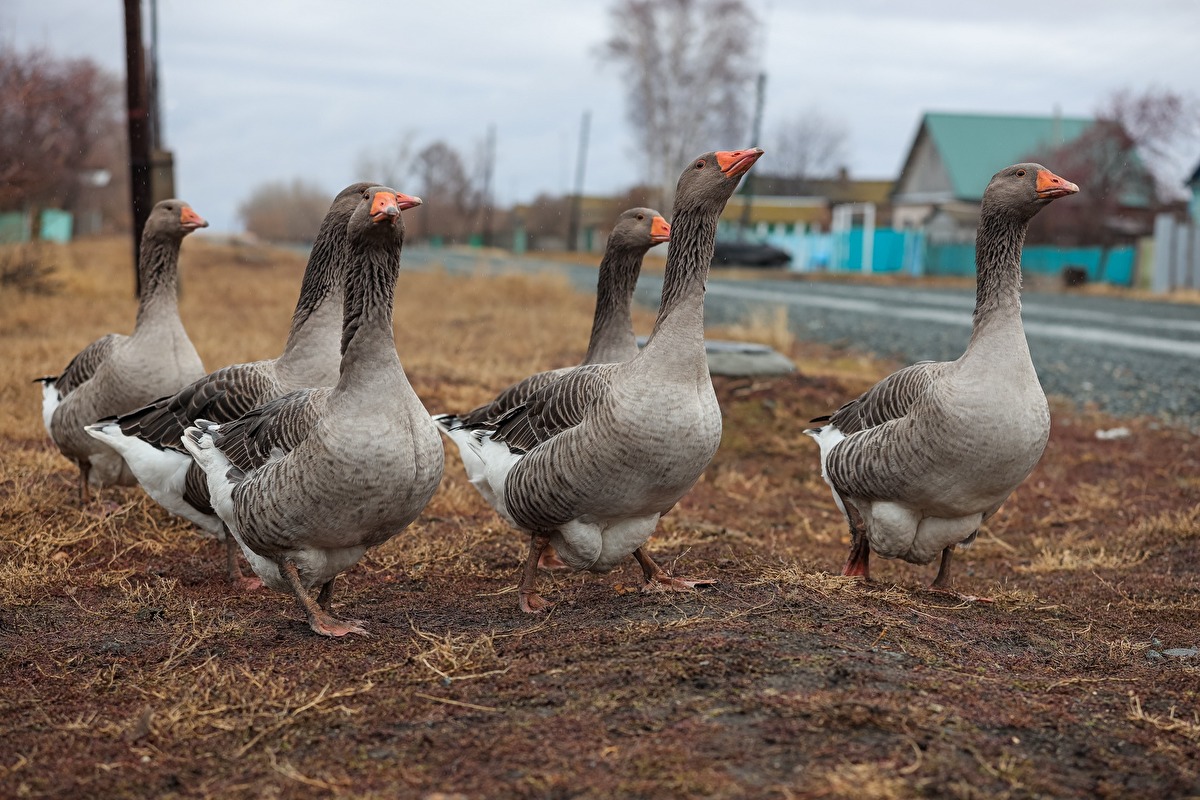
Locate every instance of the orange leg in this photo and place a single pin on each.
(319, 619)
(531, 601)
(658, 579)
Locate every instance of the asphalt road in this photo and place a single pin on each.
(1129, 357)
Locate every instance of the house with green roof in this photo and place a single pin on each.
(1193, 185)
(952, 158)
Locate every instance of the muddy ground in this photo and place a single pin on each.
(130, 668)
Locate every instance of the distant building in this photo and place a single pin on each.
(1193, 185)
(953, 156)
(787, 205)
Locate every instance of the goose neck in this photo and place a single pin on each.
(998, 246)
(368, 343)
(317, 321)
(612, 336)
(159, 277)
(693, 232)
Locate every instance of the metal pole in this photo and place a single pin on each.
(156, 123)
(577, 198)
(139, 126)
(755, 135)
(488, 168)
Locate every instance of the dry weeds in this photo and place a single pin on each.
(132, 670)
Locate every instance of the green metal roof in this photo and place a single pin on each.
(974, 146)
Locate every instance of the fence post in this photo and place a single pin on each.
(1181, 274)
(1160, 277)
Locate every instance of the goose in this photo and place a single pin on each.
(591, 461)
(119, 373)
(149, 438)
(918, 461)
(310, 480)
(612, 338)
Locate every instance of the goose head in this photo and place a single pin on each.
(174, 218)
(1023, 190)
(378, 212)
(711, 179)
(640, 229)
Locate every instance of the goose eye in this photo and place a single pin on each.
(641, 216)
(1020, 173)
(699, 165)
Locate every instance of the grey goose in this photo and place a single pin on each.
(589, 462)
(150, 438)
(119, 373)
(612, 338)
(921, 459)
(307, 482)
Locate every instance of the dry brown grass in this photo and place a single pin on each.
(132, 670)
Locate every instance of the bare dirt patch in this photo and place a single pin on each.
(130, 668)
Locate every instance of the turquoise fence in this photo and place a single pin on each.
(56, 226)
(909, 251)
(1117, 267)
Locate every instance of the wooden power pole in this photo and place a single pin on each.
(576, 209)
(137, 101)
(748, 185)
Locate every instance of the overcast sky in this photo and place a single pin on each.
(255, 91)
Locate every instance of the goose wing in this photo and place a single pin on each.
(220, 396)
(515, 395)
(890, 399)
(85, 363)
(273, 429)
(556, 407)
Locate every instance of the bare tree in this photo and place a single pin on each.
(1127, 167)
(57, 118)
(808, 145)
(1163, 125)
(280, 211)
(688, 68)
(451, 191)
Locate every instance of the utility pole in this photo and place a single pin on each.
(577, 198)
(139, 126)
(156, 125)
(489, 167)
(755, 136)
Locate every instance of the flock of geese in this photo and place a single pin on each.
(303, 462)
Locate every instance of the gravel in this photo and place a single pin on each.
(1127, 357)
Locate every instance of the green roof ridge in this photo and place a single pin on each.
(974, 146)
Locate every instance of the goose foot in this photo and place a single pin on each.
(531, 601)
(233, 568)
(320, 620)
(859, 562)
(534, 603)
(329, 625)
(550, 560)
(941, 584)
(657, 579)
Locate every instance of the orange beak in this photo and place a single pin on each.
(190, 220)
(660, 230)
(407, 201)
(736, 163)
(384, 206)
(1050, 186)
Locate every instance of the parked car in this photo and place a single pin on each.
(746, 251)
